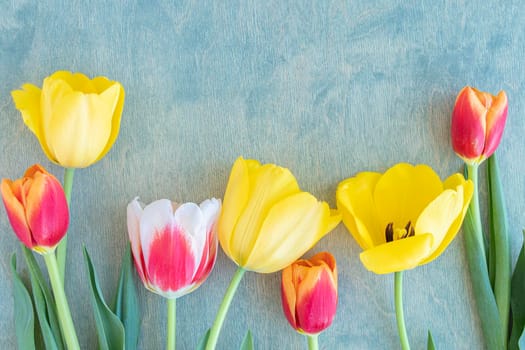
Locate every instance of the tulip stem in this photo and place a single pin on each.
(172, 324)
(64, 315)
(62, 246)
(398, 295)
(472, 172)
(223, 309)
(313, 341)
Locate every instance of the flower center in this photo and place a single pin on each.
(392, 234)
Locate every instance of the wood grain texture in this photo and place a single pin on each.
(325, 88)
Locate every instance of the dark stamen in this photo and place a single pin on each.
(389, 232)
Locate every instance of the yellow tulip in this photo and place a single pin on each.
(405, 217)
(75, 119)
(267, 222)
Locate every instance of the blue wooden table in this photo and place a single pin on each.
(325, 88)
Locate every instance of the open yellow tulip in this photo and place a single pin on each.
(267, 222)
(76, 119)
(405, 217)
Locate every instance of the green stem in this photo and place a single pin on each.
(500, 245)
(64, 315)
(398, 295)
(62, 246)
(313, 341)
(472, 171)
(223, 309)
(172, 324)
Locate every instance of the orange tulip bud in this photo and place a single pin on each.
(37, 209)
(478, 121)
(309, 293)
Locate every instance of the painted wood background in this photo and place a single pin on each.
(325, 88)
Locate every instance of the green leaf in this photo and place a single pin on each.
(24, 317)
(500, 244)
(482, 290)
(247, 342)
(203, 341)
(517, 301)
(44, 304)
(110, 330)
(430, 342)
(126, 302)
(41, 308)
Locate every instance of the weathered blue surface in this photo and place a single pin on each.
(326, 88)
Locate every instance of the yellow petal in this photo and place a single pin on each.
(291, 228)
(115, 122)
(77, 81)
(268, 185)
(458, 183)
(235, 199)
(27, 101)
(77, 125)
(399, 255)
(439, 215)
(403, 192)
(356, 203)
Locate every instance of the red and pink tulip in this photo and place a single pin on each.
(309, 293)
(478, 120)
(37, 209)
(174, 246)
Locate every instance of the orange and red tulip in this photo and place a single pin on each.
(37, 209)
(478, 120)
(309, 293)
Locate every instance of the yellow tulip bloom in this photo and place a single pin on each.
(405, 217)
(76, 119)
(267, 222)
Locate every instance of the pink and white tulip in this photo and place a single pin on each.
(174, 245)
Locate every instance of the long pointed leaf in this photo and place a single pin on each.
(40, 306)
(499, 244)
(247, 342)
(50, 312)
(24, 317)
(516, 299)
(430, 342)
(203, 341)
(110, 330)
(482, 290)
(126, 302)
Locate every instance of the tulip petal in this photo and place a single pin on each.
(439, 215)
(316, 300)
(496, 118)
(355, 201)
(468, 126)
(288, 296)
(189, 220)
(168, 251)
(46, 210)
(292, 227)
(403, 192)
(15, 211)
(27, 101)
(268, 185)
(456, 182)
(398, 255)
(77, 125)
(235, 199)
(210, 210)
(134, 213)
